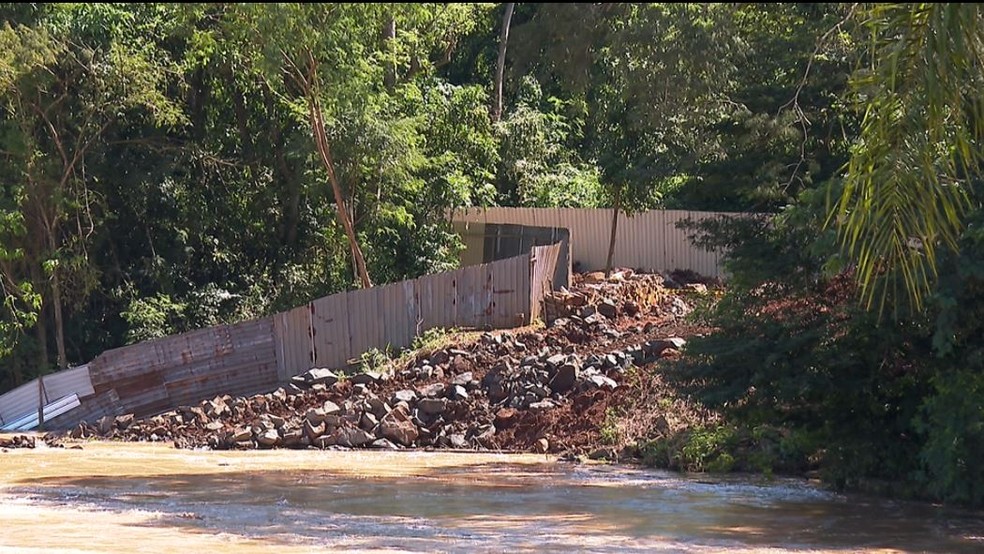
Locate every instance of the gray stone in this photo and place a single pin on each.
(367, 378)
(541, 406)
(352, 437)
(556, 360)
(368, 421)
(320, 375)
(377, 407)
(295, 439)
(397, 427)
(602, 382)
(608, 308)
(431, 406)
(463, 379)
(539, 391)
(241, 434)
(565, 378)
(458, 392)
(432, 391)
(313, 430)
(439, 357)
(656, 347)
(124, 421)
(330, 408)
(315, 416)
(383, 444)
(268, 438)
(405, 395)
(596, 319)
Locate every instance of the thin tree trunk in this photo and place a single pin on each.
(40, 327)
(309, 85)
(42, 363)
(389, 35)
(611, 242)
(16, 372)
(41, 402)
(321, 139)
(59, 320)
(501, 64)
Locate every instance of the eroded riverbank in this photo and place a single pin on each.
(153, 498)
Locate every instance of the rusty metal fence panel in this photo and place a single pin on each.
(255, 356)
(292, 333)
(329, 331)
(510, 292)
(544, 262)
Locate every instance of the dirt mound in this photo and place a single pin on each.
(566, 387)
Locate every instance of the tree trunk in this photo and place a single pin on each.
(17, 372)
(309, 85)
(501, 64)
(59, 320)
(42, 333)
(389, 35)
(40, 327)
(611, 242)
(321, 140)
(41, 402)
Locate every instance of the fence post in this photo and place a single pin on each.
(41, 401)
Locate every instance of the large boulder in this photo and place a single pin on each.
(397, 427)
(565, 377)
(352, 437)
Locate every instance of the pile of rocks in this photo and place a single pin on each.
(17, 441)
(456, 397)
(449, 408)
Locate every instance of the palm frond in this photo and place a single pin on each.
(908, 180)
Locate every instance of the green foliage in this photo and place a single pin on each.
(864, 400)
(435, 338)
(908, 186)
(610, 432)
(153, 317)
(538, 168)
(374, 360)
(953, 426)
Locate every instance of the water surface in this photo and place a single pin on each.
(119, 497)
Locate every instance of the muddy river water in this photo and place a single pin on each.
(112, 497)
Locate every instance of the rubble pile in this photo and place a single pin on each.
(17, 441)
(509, 391)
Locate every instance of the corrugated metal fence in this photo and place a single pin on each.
(648, 240)
(255, 356)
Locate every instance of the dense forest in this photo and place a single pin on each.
(165, 167)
